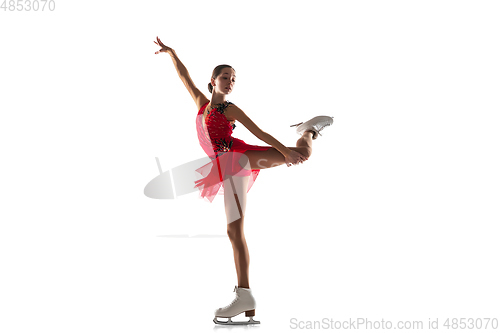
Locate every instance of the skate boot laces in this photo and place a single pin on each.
(320, 127)
(236, 299)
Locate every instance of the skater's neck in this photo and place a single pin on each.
(217, 99)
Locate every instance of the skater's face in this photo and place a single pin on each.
(224, 83)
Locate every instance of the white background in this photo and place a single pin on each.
(395, 215)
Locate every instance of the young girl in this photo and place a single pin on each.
(235, 165)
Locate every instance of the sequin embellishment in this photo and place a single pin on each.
(221, 145)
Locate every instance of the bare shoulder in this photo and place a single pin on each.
(233, 112)
(200, 99)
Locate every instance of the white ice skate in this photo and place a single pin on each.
(243, 302)
(315, 124)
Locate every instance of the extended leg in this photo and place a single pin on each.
(263, 159)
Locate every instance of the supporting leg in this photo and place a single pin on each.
(240, 251)
(235, 192)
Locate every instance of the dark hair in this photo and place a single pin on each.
(215, 73)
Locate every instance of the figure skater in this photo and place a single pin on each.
(235, 165)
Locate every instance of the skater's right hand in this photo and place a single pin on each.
(294, 157)
(164, 48)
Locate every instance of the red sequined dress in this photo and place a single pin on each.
(215, 136)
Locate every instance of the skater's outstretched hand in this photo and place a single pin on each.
(164, 48)
(294, 157)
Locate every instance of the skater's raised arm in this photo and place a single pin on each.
(235, 113)
(198, 97)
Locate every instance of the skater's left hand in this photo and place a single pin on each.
(294, 158)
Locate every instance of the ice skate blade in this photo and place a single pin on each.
(230, 322)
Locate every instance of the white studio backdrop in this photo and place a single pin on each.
(395, 215)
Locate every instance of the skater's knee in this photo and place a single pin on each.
(235, 232)
(306, 151)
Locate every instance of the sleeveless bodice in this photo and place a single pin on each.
(217, 130)
(215, 136)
